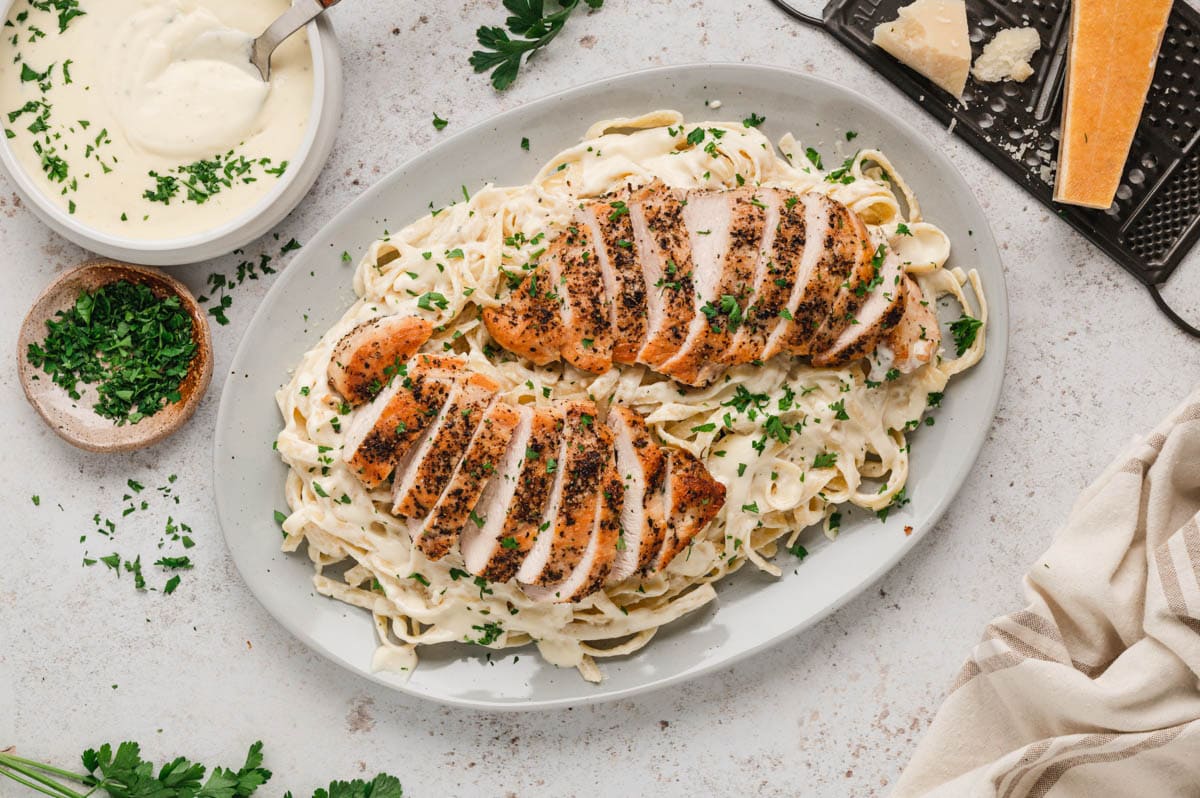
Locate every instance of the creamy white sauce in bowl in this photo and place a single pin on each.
(140, 130)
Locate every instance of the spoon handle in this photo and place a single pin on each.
(288, 23)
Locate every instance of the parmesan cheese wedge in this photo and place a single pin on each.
(931, 37)
(1114, 47)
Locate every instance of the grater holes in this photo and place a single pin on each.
(1174, 207)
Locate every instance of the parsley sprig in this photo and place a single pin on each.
(533, 29)
(121, 772)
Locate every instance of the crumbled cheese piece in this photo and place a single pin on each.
(931, 37)
(1006, 57)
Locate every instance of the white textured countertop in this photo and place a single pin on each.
(835, 711)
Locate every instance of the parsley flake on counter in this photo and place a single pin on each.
(438, 122)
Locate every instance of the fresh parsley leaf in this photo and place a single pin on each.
(964, 331)
(531, 28)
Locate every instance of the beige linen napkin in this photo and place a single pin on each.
(1092, 689)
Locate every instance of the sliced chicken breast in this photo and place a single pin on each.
(693, 499)
(878, 315)
(425, 470)
(509, 513)
(530, 321)
(380, 433)
(587, 341)
(782, 272)
(367, 358)
(594, 568)
(726, 278)
(571, 508)
(642, 468)
(859, 251)
(915, 340)
(609, 223)
(663, 246)
(481, 464)
(813, 283)
(725, 229)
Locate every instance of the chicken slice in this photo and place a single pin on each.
(609, 223)
(781, 283)
(479, 466)
(381, 432)
(642, 467)
(725, 229)
(826, 262)
(915, 340)
(692, 498)
(661, 239)
(587, 341)
(366, 359)
(878, 315)
(772, 281)
(506, 519)
(857, 246)
(529, 323)
(596, 565)
(423, 473)
(570, 512)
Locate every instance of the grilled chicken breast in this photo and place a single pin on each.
(692, 498)
(557, 498)
(579, 467)
(479, 466)
(419, 482)
(642, 468)
(380, 433)
(692, 283)
(368, 357)
(508, 517)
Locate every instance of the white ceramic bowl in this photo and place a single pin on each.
(259, 219)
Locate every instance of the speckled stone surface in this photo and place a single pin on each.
(835, 711)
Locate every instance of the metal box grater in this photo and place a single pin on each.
(1155, 219)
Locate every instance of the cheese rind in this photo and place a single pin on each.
(1114, 48)
(931, 37)
(1007, 55)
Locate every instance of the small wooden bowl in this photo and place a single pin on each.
(75, 421)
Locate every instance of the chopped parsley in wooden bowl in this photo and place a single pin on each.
(115, 357)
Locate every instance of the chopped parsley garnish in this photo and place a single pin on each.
(429, 300)
(205, 178)
(438, 122)
(488, 633)
(825, 460)
(754, 120)
(964, 331)
(135, 347)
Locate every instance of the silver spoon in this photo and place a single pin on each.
(288, 23)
